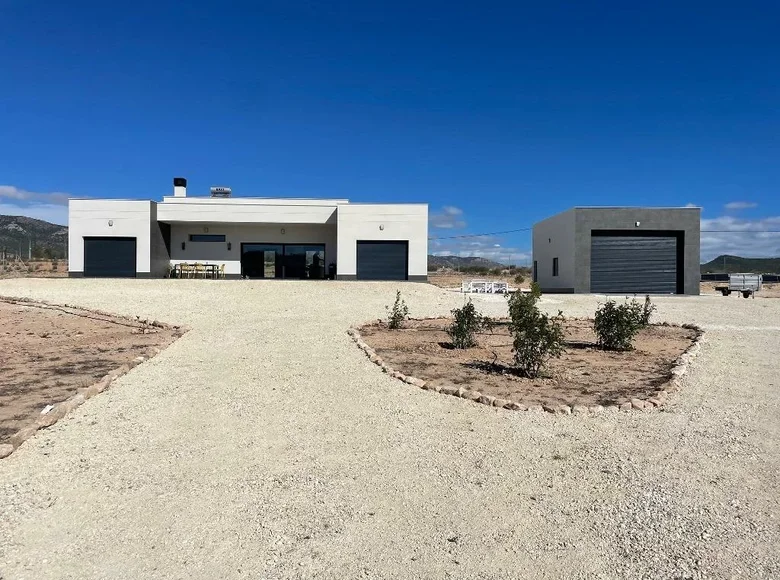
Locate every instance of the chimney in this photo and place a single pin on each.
(179, 187)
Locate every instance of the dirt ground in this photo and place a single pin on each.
(34, 269)
(767, 290)
(584, 375)
(48, 354)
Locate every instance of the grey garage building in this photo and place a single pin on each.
(619, 250)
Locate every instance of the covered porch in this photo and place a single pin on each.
(252, 250)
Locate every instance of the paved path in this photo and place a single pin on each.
(264, 445)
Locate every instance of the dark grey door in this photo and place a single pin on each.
(633, 264)
(382, 260)
(109, 257)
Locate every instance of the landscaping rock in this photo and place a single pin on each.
(564, 409)
(637, 404)
(487, 400)
(500, 403)
(5, 450)
(579, 409)
(536, 408)
(596, 409)
(417, 382)
(448, 390)
(516, 406)
(625, 407)
(474, 395)
(23, 435)
(655, 402)
(50, 418)
(550, 407)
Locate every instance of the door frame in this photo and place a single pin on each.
(284, 247)
(85, 239)
(679, 235)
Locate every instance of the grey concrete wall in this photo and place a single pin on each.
(673, 219)
(554, 238)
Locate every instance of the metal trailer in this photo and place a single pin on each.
(745, 284)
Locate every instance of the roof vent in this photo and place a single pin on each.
(221, 192)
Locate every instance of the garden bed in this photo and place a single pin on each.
(49, 353)
(584, 375)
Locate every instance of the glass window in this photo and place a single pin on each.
(207, 237)
(555, 266)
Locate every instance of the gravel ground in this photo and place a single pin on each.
(263, 444)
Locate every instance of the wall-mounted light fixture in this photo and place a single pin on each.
(637, 224)
(381, 226)
(230, 246)
(182, 245)
(282, 230)
(110, 223)
(206, 230)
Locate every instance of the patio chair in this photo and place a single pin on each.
(221, 272)
(200, 271)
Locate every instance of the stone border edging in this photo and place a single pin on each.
(673, 385)
(59, 410)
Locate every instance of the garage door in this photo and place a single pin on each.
(382, 260)
(109, 257)
(633, 264)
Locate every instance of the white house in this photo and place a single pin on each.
(251, 237)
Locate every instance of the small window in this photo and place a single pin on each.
(535, 275)
(207, 237)
(555, 266)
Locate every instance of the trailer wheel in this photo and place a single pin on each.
(746, 294)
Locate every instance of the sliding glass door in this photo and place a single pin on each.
(296, 261)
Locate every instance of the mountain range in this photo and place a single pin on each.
(23, 236)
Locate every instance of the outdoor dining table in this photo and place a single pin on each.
(209, 270)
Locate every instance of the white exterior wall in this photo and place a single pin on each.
(90, 217)
(554, 238)
(400, 222)
(236, 234)
(247, 210)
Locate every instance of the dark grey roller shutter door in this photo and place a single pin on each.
(382, 260)
(633, 265)
(109, 257)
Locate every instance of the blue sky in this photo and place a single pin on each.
(496, 114)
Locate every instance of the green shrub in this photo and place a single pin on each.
(398, 313)
(616, 325)
(647, 311)
(536, 337)
(466, 323)
(519, 279)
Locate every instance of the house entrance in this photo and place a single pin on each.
(292, 261)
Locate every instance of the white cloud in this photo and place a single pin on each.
(450, 217)
(758, 238)
(738, 205)
(18, 194)
(48, 206)
(484, 247)
(56, 214)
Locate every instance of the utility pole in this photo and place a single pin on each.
(29, 249)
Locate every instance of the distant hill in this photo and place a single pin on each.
(459, 263)
(731, 264)
(48, 240)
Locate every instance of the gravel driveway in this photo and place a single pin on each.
(263, 444)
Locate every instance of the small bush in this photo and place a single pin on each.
(647, 311)
(466, 323)
(398, 313)
(536, 337)
(616, 325)
(519, 279)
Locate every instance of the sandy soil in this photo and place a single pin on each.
(35, 269)
(584, 375)
(47, 355)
